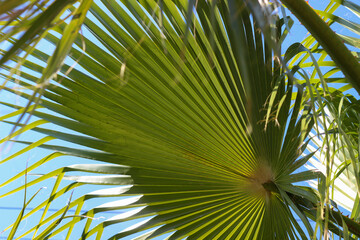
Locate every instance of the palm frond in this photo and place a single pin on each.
(188, 112)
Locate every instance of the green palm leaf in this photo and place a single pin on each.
(190, 112)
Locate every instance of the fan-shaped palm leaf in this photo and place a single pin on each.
(193, 110)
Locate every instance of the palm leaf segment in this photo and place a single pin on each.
(341, 117)
(335, 156)
(201, 130)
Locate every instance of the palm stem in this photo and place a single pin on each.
(328, 39)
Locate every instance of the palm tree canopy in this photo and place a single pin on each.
(189, 110)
